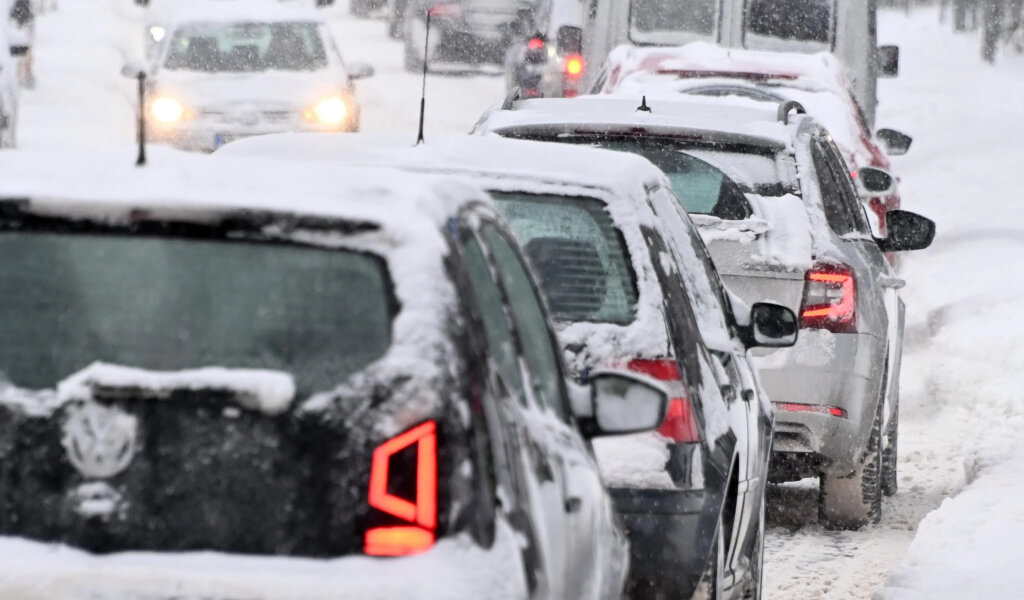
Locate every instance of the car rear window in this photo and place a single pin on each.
(170, 303)
(799, 20)
(577, 253)
(647, 17)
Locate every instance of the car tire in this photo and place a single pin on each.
(890, 455)
(396, 18)
(855, 500)
(360, 8)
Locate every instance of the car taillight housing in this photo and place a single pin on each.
(830, 299)
(680, 424)
(417, 514)
(833, 411)
(573, 66)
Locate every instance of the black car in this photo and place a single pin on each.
(462, 32)
(330, 384)
(630, 285)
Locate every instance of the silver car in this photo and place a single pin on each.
(783, 222)
(228, 70)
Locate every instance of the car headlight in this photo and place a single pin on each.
(157, 33)
(332, 110)
(167, 110)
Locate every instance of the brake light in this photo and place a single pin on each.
(535, 44)
(830, 299)
(453, 11)
(574, 65)
(421, 514)
(680, 424)
(834, 411)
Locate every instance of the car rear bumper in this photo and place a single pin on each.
(825, 371)
(454, 568)
(670, 534)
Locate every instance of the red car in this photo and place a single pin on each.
(816, 81)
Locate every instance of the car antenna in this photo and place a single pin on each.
(423, 92)
(643, 106)
(141, 160)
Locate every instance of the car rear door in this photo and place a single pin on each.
(594, 549)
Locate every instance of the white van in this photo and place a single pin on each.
(847, 28)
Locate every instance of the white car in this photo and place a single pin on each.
(12, 45)
(234, 69)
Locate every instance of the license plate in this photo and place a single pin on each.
(220, 139)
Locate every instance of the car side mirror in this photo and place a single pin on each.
(888, 61)
(133, 70)
(907, 231)
(570, 40)
(19, 50)
(360, 71)
(772, 326)
(872, 182)
(896, 143)
(622, 402)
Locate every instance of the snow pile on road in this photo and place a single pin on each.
(970, 547)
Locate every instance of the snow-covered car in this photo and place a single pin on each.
(816, 81)
(160, 14)
(236, 68)
(13, 44)
(629, 285)
(462, 32)
(774, 201)
(252, 379)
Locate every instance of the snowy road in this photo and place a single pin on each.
(959, 112)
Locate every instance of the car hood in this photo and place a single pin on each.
(267, 88)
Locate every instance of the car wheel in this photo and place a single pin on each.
(712, 582)
(852, 501)
(396, 18)
(359, 8)
(890, 455)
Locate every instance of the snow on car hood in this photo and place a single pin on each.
(454, 568)
(295, 89)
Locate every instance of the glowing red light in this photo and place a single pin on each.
(535, 44)
(398, 541)
(834, 411)
(830, 300)
(679, 425)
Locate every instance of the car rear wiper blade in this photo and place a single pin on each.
(267, 391)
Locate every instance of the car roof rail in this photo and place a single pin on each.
(787, 107)
(510, 100)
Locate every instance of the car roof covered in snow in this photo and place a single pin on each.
(187, 187)
(618, 179)
(812, 72)
(244, 11)
(736, 120)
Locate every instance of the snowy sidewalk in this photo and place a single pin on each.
(964, 369)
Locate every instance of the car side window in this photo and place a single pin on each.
(838, 214)
(538, 345)
(846, 188)
(491, 307)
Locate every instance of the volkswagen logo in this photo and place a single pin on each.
(99, 440)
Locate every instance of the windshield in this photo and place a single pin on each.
(245, 47)
(797, 20)
(577, 253)
(659, 21)
(166, 303)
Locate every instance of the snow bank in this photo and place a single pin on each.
(270, 392)
(971, 546)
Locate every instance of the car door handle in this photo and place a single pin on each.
(892, 282)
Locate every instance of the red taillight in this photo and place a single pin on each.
(574, 65)
(535, 44)
(679, 424)
(445, 11)
(834, 411)
(830, 299)
(421, 515)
